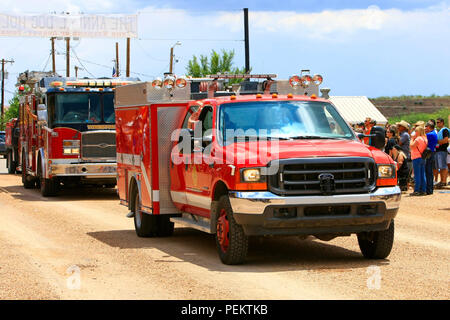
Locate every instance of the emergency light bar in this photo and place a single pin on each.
(97, 83)
(242, 76)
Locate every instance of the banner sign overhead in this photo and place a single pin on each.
(68, 25)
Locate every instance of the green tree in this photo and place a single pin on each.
(216, 63)
(13, 110)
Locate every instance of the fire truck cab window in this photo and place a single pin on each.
(65, 108)
(282, 119)
(207, 119)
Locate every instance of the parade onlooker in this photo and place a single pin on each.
(367, 127)
(418, 145)
(441, 152)
(404, 138)
(429, 163)
(391, 139)
(402, 167)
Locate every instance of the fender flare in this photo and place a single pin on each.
(41, 155)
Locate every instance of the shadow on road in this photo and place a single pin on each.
(66, 194)
(265, 254)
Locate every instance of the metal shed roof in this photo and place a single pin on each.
(355, 109)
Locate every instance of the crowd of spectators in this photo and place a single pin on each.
(421, 152)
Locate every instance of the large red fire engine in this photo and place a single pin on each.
(67, 131)
(260, 158)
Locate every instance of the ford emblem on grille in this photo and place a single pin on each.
(103, 145)
(327, 185)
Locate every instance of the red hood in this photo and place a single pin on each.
(305, 149)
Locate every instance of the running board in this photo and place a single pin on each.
(194, 222)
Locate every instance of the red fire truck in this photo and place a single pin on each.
(67, 131)
(12, 144)
(261, 158)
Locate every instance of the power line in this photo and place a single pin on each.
(191, 39)
(73, 50)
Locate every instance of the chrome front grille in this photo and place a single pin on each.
(318, 176)
(98, 145)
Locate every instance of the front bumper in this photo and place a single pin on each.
(265, 213)
(87, 170)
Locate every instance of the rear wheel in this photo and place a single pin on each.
(11, 164)
(231, 241)
(377, 244)
(28, 181)
(147, 225)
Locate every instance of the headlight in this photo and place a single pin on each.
(386, 171)
(71, 147)
(251, 175)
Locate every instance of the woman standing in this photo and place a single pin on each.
(418, 145)
(391, 139)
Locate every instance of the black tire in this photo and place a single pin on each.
(147, 225)
(377, 244)
(27, 181)
(11, 164)
(232, 246)
(49, 187)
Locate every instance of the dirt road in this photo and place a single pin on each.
(80, 245)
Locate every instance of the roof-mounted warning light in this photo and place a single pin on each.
(305, 80)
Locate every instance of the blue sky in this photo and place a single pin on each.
(369, 48)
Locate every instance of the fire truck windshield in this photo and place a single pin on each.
(283, 120)
(76, 107)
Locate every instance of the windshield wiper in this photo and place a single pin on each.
(261, 138)
(313, 137)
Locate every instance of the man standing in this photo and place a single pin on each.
(441, 152)
(429, 163)
(404, 138)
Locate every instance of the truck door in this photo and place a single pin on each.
(180, 169)
(198, 175)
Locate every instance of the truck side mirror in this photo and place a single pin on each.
(42, 114)
(377, 137)
(16, 133)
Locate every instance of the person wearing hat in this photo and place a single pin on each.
(404, 138)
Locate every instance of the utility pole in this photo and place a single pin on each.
(171, 56)
(68, 57)
(52, 39)
(247, 46)
(117, 59)
(128, 57)
(3, 84)
(76, 71)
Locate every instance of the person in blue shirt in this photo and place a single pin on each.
(429, 163)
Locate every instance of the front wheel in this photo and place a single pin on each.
(377, 244)
(231, 241)
(49, 187)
